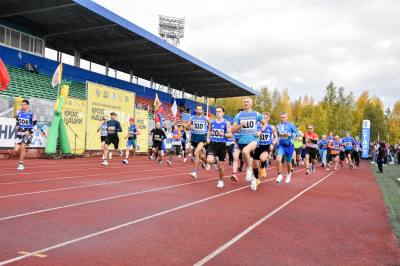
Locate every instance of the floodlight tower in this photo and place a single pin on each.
(171, 29)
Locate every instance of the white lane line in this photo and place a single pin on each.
(103, 199)
(72, 170)
(253, 226)
(63, 163)
(88, 175)
(63, 244)
(85, 186)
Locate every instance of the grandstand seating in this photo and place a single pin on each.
(32, 85)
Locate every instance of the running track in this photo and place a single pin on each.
(78, 212)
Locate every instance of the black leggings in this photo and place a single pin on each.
(230, 149)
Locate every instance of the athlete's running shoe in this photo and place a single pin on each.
(21, 167)
(160, 162)
(220, 184)
(169, 162)
(327, 169)
(308, 171)
(258, 182)
(234, 177)
(279, 178)
(150, 157)
(110, 155)
(253, 184)
(184, 160)
(249, 174)
(263, 173)
(125, 161)
(288, 178)
(104, 162)
(193, 174)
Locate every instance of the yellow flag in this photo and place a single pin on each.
(57, 76)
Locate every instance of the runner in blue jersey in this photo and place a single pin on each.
(348, 144)
(268, 137)
(176, 143)
(218, 133)
(133, 132)
(285, 150)
(245, 123)
(26, 120)
(198, 125)
(356, 152)
(323, 151)
(330, 139)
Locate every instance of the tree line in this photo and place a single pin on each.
(338, 111)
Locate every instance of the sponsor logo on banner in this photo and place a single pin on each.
(102, 100)
(366, 126)
(142, 122)
(8, 133)
(75, 120)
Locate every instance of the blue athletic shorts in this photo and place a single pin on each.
(131, 143)
(286, 152)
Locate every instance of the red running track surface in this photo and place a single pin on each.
(79, 212)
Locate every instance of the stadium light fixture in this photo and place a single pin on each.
(171, 29)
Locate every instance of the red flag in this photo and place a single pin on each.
(4, 77)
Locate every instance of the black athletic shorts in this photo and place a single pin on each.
(103, 139)
(347, 152)
(342, 155)
(217, 149)
(112, 139)
(157, 145)
(259, 150)
(241, 147)
(312, 152)
(24, 137)
(299, 151)
(195, 144)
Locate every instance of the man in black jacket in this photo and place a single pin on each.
(381, 156)
(113, 127)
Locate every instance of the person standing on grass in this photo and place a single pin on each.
(113, 127)
(380, 156)
(133, 131)
(26, 120)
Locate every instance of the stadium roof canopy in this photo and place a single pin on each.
(102, 36)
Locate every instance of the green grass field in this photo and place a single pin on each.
(391, 193)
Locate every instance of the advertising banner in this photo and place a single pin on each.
(142, 123)
(74, 113)
(365, 138)
(101, 101)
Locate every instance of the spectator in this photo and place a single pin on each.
(32, 68)
(380, 156)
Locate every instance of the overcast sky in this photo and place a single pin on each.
(294, 44)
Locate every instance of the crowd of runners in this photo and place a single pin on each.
(250, 142)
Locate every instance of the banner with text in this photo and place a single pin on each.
(74, 113)
(101, 101)
(142, 123)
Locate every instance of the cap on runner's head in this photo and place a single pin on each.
(131, 119)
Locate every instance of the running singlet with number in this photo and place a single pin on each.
(103, 130)
(323, 145)
(132, 132)
(218, 128)
(176, 140)
(248, 131)
(311, 139)
(200, 126)
(348, 143)
(356, 145)
(286, 131)
(266, 136)
(335, 147)
(25, 119)
(298, 140)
